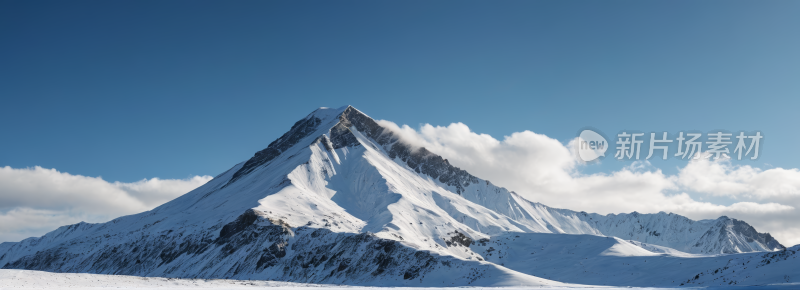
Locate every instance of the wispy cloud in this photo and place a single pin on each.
(36, 200)
(721, 178)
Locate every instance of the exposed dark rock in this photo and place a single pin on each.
(342, 137)
(191, 247)
(751, 234)
(242, 222)
(459, 239)
(299, 130)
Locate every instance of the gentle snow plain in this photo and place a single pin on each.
(27, 279)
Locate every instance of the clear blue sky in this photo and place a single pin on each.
(138, 89)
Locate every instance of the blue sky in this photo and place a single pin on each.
(132, 90)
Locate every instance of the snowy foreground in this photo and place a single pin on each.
(27, 279)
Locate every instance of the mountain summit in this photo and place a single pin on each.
(340, 199)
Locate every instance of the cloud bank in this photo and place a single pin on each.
(544, 170)
(34, 201)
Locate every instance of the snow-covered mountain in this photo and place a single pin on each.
(340, 199)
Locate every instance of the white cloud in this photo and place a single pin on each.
(523, 157)
(545, 170)
(36, 200)
(721, 178)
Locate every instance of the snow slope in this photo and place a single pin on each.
(596, 260)
(753, 269)
(339, 199)
(27, 279)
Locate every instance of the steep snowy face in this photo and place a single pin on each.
(340, 199)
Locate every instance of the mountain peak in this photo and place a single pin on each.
(324, 120)
(327, 113)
